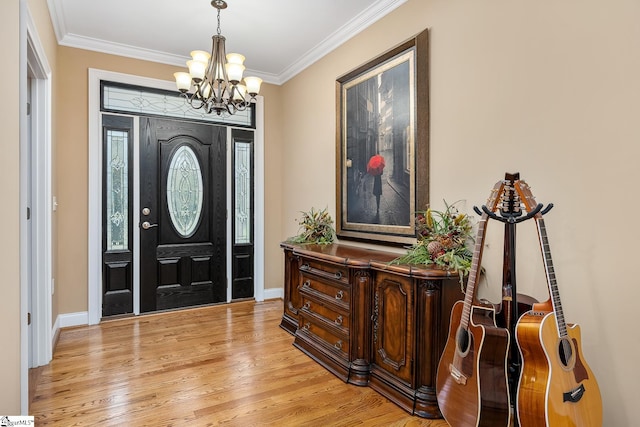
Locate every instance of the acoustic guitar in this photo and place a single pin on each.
(471, 382)
(556, 386)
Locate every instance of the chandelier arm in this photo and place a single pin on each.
(190, 100)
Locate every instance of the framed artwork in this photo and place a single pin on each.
(382, 149)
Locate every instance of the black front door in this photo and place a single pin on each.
(182, 214)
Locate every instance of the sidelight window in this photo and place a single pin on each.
(117, 193)
(242, 194)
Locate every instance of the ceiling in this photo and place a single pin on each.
(279, 38)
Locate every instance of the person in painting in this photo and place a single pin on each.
(375, 166)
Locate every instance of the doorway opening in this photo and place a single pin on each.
(180, 220)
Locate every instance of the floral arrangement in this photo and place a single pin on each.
(442, 240)
(316, 226)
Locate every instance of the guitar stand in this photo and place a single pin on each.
(510, 219)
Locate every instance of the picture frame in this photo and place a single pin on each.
(382, 145)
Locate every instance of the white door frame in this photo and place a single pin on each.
(94, 279)
(34, 59)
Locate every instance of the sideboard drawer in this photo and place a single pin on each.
(326, 270)
(337, 343)
(332, 291)
(336, 317)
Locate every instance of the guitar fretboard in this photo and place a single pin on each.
(551, 277)
(473, 272)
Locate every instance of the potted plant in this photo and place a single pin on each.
(316, 226)
(442, 240)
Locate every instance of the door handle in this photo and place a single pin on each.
(146, 225)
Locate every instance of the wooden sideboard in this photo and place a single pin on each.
(369, 322)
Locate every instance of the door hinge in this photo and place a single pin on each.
(28, 108)
(28, 212)
(28, 319)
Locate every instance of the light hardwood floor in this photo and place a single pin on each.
(221, 365)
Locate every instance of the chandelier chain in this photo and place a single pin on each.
(219, 32)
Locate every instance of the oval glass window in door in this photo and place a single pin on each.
(184, 191)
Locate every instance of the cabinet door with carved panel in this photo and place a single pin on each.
(292, 298)
(393, 326)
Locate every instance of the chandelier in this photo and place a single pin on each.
(217, 78)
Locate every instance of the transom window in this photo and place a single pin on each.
(117, 97)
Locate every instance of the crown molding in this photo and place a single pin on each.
(366, 18)
(359, 23)
(57, 18)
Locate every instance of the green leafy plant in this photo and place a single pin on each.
(442, 240)
(316, 226)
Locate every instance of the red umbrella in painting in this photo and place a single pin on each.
(375, 165)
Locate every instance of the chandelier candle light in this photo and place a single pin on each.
(217, 77)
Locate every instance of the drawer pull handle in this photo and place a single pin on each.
(339, 295)
(338, 345)
(306, 284)
(338, 320)
(305, 266)
(307, 305)
(306, 326)
(338, 275)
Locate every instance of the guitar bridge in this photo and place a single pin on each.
(457, 375)
(573, 395)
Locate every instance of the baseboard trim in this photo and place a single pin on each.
(80, 318)
(273, 293)
(67, 320)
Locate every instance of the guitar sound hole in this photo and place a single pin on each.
(565, 351)
(462, 340)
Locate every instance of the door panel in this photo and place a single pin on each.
(243, 208)
(117, 247)
(393, 346)
(183, 202)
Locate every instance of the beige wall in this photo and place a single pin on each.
(549, 89)
(9, 214)
(275, 169)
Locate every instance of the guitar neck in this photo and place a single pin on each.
(473, 271)
(470, 293)
(530, 204)
(551, 277)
